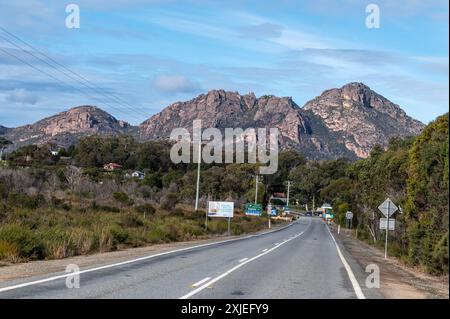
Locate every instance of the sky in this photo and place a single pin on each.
(140, 56)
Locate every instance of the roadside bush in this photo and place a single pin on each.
(146, 209)
(122, 198)
(24, 239)
(169, 201)
(9, 252)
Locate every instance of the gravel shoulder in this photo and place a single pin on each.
(397, 281)
(43, 267)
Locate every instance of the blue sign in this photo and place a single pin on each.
(273, 212)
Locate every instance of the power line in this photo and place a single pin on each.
(55, 68)
(102, 92)
(51, 76)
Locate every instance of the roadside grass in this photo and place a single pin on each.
(53, 233)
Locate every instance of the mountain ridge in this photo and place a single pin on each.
(341, 122)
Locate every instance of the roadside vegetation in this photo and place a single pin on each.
(413, 172)
(55, 206)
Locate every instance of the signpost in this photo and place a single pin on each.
(349, 219)
(253, 209)
(273, 211)
(387, 208)
(384, 223)
(221, 209)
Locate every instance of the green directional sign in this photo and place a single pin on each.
(253, 209)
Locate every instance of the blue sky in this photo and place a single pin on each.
(152, 53)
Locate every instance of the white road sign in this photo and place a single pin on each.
(220, 209)
(388, 208)
(384, 222)
(349, 215)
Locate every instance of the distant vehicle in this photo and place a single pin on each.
(309, 214)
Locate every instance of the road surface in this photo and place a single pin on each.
(301, 260)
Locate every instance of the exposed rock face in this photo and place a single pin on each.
(345, 122)
(66, 127)
(221, 109)
(363, 117)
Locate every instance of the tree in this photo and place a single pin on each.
(4, 143)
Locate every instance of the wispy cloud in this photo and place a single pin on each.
(175, 84)
(22, 96)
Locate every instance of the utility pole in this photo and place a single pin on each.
(314, 206)
(256, 188)
(288, 188)
(198, 171)
(206, 215)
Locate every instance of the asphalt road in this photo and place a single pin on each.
(298, 261)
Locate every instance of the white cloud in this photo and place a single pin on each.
(175, 84)
(22, 96)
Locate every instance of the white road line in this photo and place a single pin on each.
(198, 283)
(276, 244)
(350, 273)
(265, 249)
(243, 259)
(41, 281)
(209, 283)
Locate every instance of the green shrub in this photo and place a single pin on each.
(146, 209)
(9, 251)
(122, 198)
(29, 245)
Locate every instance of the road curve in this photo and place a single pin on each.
(299, 261)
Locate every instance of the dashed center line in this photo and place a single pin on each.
(226, 273)
(198, 283)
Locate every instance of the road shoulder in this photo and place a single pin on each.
(397, 281)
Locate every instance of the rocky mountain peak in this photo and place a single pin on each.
(341, 122)
(362, 116)
(65, 127)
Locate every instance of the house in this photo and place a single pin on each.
(138, 175)
(281, 196)
(112, 167)
(54, 153)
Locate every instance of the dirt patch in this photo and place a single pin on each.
(397, 281)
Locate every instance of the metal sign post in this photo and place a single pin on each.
(229, 226)
(388, 208)
(387, 232)
(349, 220)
